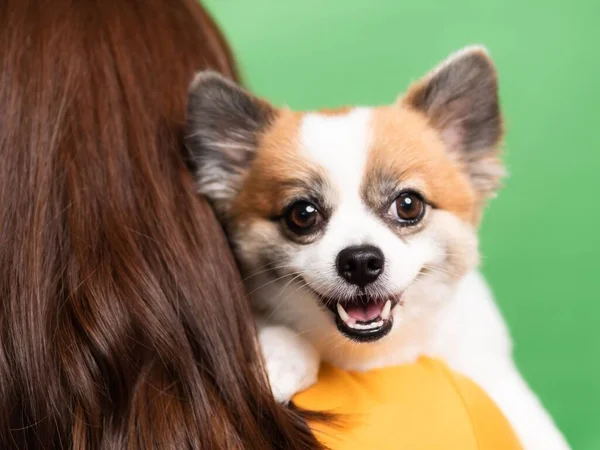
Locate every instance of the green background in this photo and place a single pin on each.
(540, 238)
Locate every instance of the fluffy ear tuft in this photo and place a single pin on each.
(460, 99)
(223, 125)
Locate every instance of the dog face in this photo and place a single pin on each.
(351, 222)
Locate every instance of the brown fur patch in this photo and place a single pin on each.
(405, 147)
(335, 111)
(278, 173)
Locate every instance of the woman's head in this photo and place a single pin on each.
(122, 318)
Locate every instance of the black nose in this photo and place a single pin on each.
(360, 265)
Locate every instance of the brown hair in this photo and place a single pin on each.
(123, 322)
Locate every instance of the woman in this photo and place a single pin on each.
(122, 319)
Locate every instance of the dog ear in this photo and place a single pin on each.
(223, 125)
(460, 99)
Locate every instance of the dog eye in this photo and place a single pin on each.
(408, 207)
(302, 217)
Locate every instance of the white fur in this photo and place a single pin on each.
(443, 314)
(287, 376)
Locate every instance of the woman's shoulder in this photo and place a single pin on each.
(423, 405)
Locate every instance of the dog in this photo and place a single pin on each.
(356, 229)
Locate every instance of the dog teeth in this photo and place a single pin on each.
(368, 326)
(344, 315)
(387, 308)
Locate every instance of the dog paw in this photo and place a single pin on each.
(292, 363)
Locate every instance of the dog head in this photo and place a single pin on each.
(350, 221)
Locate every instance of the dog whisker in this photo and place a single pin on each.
(274, 280)
(265, 269)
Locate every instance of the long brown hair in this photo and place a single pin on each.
(123, 322)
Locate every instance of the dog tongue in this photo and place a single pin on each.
(364, 313)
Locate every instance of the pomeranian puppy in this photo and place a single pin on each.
(356, 229)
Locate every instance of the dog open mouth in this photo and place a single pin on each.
(363, 319)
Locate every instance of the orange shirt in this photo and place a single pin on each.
(420, 406)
